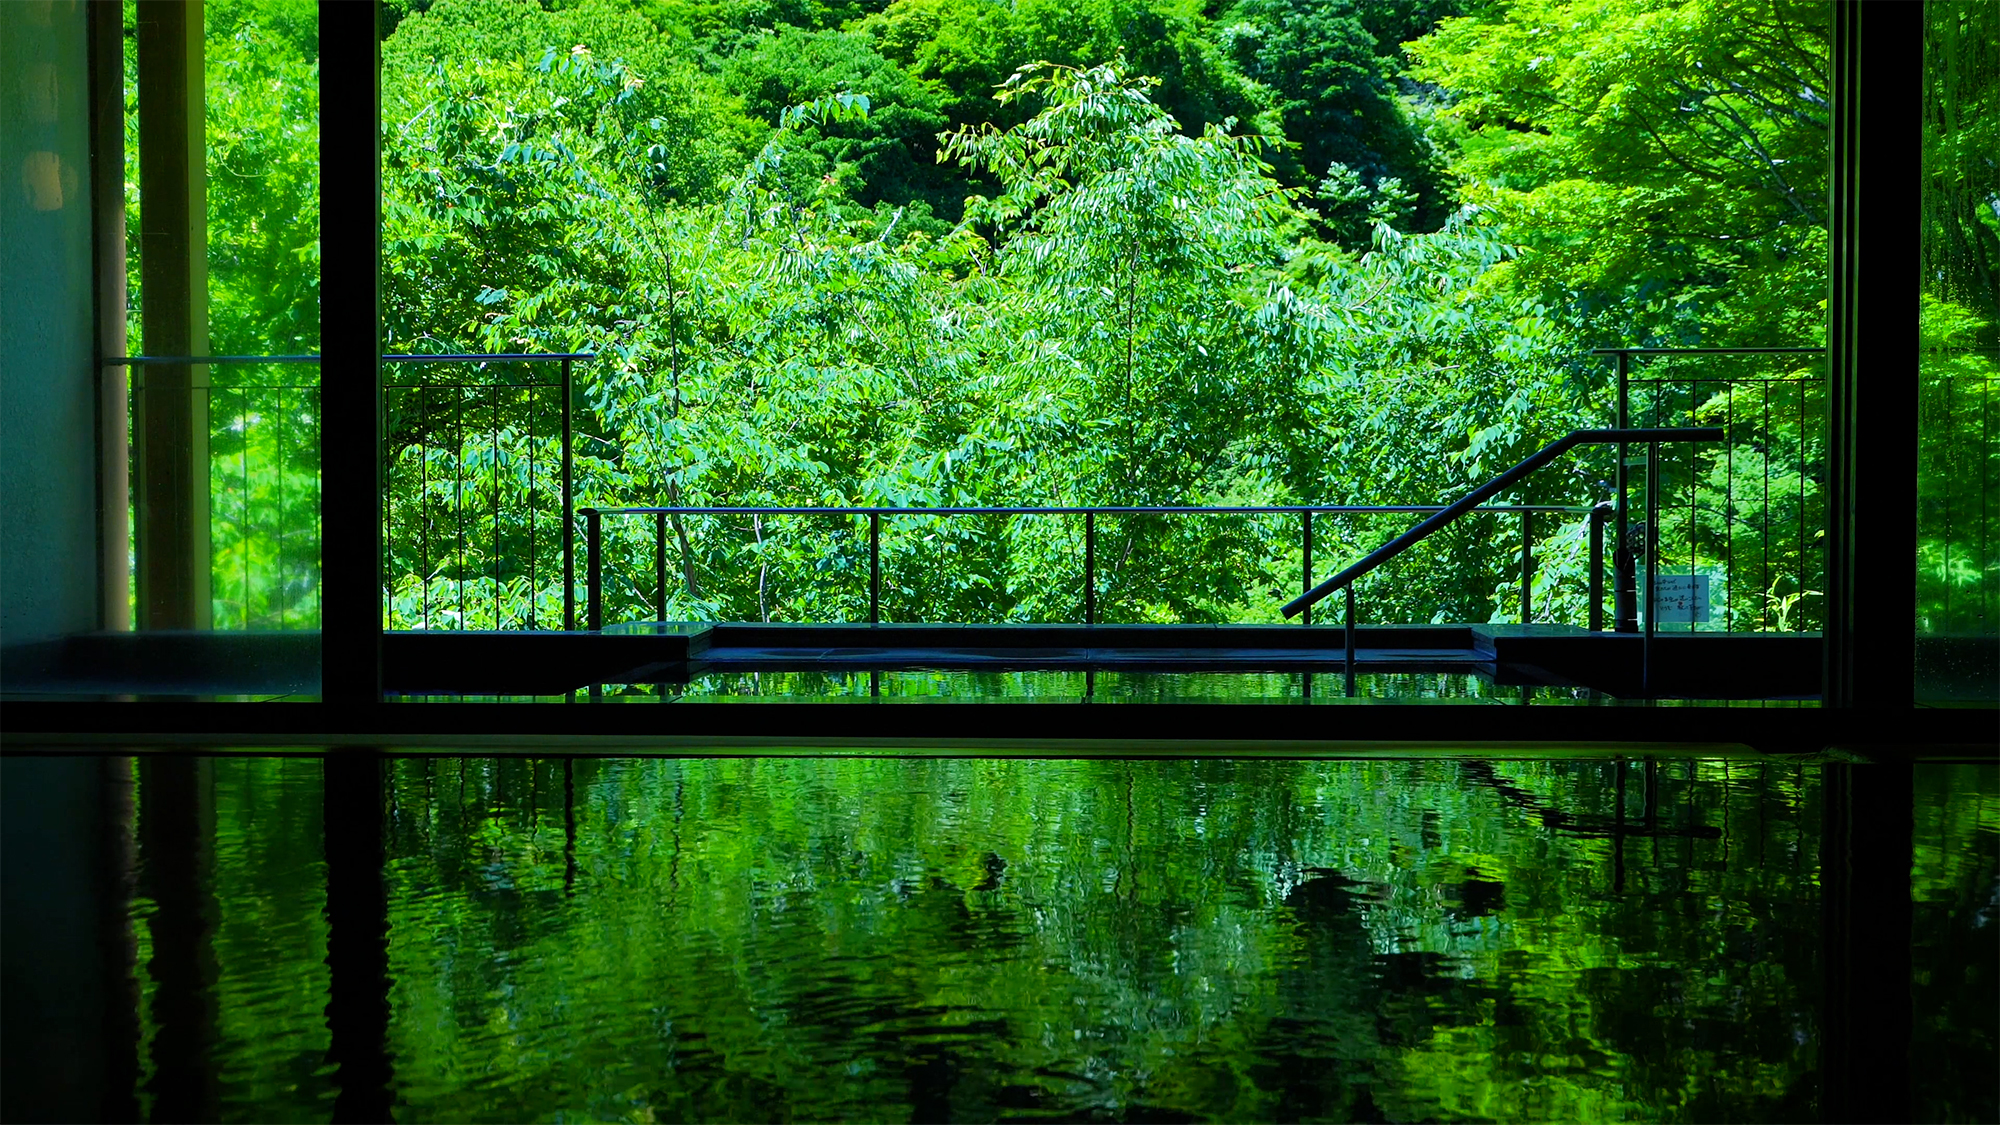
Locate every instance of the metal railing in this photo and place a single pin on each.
(1734, 512)
(1622, 438)
(471, 507)
(442, 480)
(263, 555)
(261, 420)
(594, 539)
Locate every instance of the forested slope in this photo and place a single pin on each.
(1095, 252)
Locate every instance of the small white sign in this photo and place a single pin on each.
(1680, 598)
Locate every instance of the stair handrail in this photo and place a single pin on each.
(1484, 492)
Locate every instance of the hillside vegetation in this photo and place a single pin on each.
(1083, 252)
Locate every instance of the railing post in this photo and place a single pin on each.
(1527, 566)
(875, 567)
(1624, 591)
(1598, 515)
(594, 568)
(1090, 568)
(1353, 651)
(1306, 563)
(660, 564)
(568, 507)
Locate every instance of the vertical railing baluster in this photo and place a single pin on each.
(568, 506)
(1694, 507)
(1800, 589)
(1764, 576)
(594, 569)
(284, 592)
(458, 490)
(1598, 514)
(1986, 462)
(1090, 568)
(1652, 566)
(534, 591)
(1306, 564)
(424, 493)
(660, 564)
(1728, 506)
(244, 523)
(875, 567)
(1353, 648)
(1624, 596)
(493, 474)
(1527, 566)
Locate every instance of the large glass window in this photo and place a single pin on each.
(1958, 546)
(199, 188)
(822, 261)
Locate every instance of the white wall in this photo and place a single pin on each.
(48, 490)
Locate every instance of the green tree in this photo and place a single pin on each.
(1665, 161)
(1331, 85)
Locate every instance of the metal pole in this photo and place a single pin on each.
(1090, 568)
(660, 563)
(1352, 651)
(351, 500)
(1306, 562)
(874, 568)
(1527, 566)
(1597, 517)
(568, 508)
(594, 569)
(1652, 564)
(1624, 596)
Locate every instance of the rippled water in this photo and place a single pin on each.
(950, 939)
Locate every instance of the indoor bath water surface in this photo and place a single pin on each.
(877, 939)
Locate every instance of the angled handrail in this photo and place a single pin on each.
(1486, 491)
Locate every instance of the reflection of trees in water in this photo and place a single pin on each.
(1956, 954)
(1126, 883)
(949, 938)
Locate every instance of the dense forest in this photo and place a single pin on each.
(1118, 252)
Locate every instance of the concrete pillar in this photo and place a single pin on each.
(171, 400)
(107, 200)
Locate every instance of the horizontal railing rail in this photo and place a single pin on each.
(1708, 351)
(1104, 510)
(397, 357)
(875, 514)
(191, 360)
